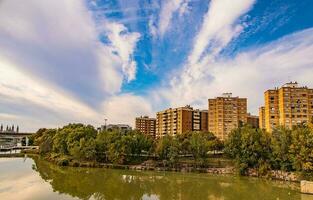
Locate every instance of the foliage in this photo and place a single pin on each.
(249, 148)
(301, 149)
(281, 142)
(283, 149)
(167, 148)
(84, 143)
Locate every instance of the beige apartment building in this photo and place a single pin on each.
(225, 114)
(146, 125)
(262, 117)
(253, 120)
(180, 120)
(287, 106)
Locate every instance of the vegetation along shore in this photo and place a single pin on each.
(284, 154)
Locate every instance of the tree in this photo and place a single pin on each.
(60, 142)
(103, 142)
(301, 148)
(168, 149)
(46, 141)
(250, 148)
(199, 146)
(280, 145)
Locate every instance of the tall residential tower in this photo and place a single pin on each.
(287, 106)
(180, 120)
(146, 125)
(225, 114)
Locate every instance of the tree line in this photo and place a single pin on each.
(84, 143)
(283, 149)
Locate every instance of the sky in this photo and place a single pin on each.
(70, 61)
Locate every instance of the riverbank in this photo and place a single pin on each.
(184, 167)
(12, 155)
(217, 166)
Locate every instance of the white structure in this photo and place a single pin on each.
(119, 127)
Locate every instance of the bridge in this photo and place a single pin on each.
(14, 134)
(13, 141)
(14, 147)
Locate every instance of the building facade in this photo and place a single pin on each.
(225, 114)
(9, 129)
(288, 106)
(253, 120)
(262, 117)
(180, 120)
(146, 125)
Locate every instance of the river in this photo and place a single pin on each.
(32, 179)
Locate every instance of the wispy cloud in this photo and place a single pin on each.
(123, 44)
(167, 11)
(54, 62)
(19, 87)
(248, 74)
(80, 61)
(219, 27)
(123, 108)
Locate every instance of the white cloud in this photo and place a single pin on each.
(53, 67)
(125, 108)
(218, 27)
(123, 43)
(184, 8)
(167, 11)
(152, 27)
(248, 74)
(19, 88)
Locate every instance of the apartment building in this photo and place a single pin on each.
(225, 114)
(180, 120)
(288, 106)
(253, 120)
(146, 125)
(262, 117)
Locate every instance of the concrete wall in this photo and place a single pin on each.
(306, 187)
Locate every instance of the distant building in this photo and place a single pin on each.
(116, 127)
(253, 120)
(262, 117)
(146, 125)
(287, 106)
(9, 129)
(225, 114)
(180, 120)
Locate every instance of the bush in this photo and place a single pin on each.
(63, 162)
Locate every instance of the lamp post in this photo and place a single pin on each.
(105, 123)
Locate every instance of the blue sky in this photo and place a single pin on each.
(86, 60)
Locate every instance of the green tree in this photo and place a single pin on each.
(46, 141)
(103, 142)
(60, 142)
(167, 148)
(250, 148)
(280, 145)
(199, 146)
(301, 148)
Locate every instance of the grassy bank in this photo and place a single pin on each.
(12, 155)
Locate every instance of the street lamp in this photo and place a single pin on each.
(105, 123)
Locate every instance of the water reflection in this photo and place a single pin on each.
(47, 181)
(119, 184)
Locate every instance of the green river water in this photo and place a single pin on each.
(32, 179)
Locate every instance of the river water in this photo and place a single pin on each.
(32, 179)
